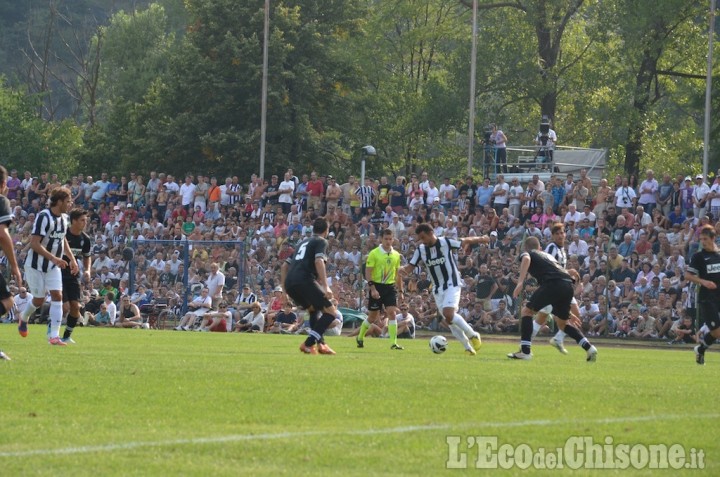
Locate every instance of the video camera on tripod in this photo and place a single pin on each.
(544, 130)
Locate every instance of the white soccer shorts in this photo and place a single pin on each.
(449, 298)
(40, 283)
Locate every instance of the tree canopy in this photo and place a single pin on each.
(175, 86)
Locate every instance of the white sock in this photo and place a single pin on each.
(28, 312)
(460, 335)
(560, 336)
(55, 318)
(536, 329)
(463, 325)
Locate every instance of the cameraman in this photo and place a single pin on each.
(546, 141)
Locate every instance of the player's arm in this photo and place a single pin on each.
(283, 273)
(693, 278)
(468, 241)
(73, 263)
(524, 267)
(399, 283)
(6, 244)
(38, 248)
(322, 276)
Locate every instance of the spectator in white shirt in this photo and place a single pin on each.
(572, 215)
(577, 246)
(215, 283)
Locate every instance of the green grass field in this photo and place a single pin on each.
(136, 402)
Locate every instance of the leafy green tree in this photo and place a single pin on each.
(28, 142)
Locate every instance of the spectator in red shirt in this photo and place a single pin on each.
(315, 190)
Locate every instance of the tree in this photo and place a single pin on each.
(28, 142)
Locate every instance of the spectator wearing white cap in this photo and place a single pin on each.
(699, 197)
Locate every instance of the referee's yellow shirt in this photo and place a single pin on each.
(384, 265)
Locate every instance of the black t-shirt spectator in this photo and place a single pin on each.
(484, 286)
(398, 200)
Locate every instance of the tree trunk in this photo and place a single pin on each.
(636, 129)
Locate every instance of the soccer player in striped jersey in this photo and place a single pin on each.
(384, 281)
(6, 244)
(438, 254)
(44, 262)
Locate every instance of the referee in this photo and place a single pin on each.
(381, 272)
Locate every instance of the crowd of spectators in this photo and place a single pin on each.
(628, 239)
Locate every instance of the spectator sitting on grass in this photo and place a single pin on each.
(405, 323)
(286, 321)
(101, 318)
(217, 321)
(684, 330)
(335, 328)
(197, 308)
(253, 321)
(129, 316)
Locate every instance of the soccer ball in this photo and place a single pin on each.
(438, 344)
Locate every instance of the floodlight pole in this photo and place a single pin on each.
(708, 90)
(473, 69)
(263, 100)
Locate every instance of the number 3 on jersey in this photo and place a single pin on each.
(301, 251)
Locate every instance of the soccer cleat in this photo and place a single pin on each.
(476, 342)
(22, 328)
(592, 354)
(558, 345)
(519, 355)
(699, 357)
(360, 343)
(308, 349)
(68, 340)
(396, 346)
(470, 352)
(4, 356)
(56, 342)
(324, 349)
(178, 328)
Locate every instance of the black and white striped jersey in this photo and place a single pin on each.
(6, 215)
(439, 260)
(367, 196)
(234, 188)
(558, 253)
(52, 229)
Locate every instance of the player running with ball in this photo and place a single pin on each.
(555, 290)
(438, 254)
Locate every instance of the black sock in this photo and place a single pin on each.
(706, 342)
(575, 334)
(526, 329)
(70, 326)
(322, 324)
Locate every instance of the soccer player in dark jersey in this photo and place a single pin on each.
(79, 243)
(6, 244)
(44, 262)
(555, 289)
(304, 279)
(438, 254)
(704, 271)
(556, 250)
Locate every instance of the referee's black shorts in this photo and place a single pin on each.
(388, 297)
(71, 288)
(558, 293)
(306, 294)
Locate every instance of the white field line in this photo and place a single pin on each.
(364, 432)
